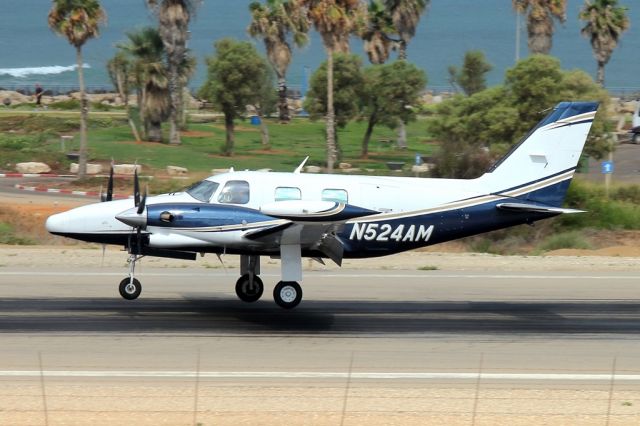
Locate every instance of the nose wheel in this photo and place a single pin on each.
(249, 288)
(287, 294)
(130, 289)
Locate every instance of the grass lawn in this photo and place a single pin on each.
(289, 143)
(38, 137)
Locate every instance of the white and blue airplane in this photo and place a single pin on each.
(295, 215)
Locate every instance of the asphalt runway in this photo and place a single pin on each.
(374, 347)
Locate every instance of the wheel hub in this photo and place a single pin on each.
(288, 294)
(130, 288)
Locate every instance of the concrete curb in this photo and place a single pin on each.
(66, 191)
(31, 175)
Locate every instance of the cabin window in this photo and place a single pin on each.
(284, 193)
(235, 192)
(203, 190)
(337, 195)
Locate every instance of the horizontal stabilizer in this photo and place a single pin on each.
(535, 208)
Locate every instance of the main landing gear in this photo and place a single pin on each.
(249, 287)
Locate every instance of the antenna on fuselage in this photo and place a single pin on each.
(299, 168)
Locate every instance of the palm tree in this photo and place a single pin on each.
(147, 50)
(174, 17)
(377, 42)
(335, 20)
(78, 21)
(119, 69)
(540, 16)
(405, 15)
(273, 22)
(605, 23)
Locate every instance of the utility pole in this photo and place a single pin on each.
(517, 36)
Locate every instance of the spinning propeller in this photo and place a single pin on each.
(136, 217)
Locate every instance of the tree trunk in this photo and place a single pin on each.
(283, 104)
(367, 135)
(84, 113)
(154, 133)
(330, 126)
(228, 125)
(402, 51)
(125, 99)
(174, 134)
(402, 135)
(264, 130)
(600, 76)
(184, 105)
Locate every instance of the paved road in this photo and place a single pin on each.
(375, 347)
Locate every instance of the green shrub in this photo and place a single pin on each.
(570, 239)
(7, 236)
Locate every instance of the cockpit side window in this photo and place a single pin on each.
(203, 190)
(235, 192)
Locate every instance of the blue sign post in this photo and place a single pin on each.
(606, 167)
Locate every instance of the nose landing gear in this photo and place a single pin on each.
(130, 288)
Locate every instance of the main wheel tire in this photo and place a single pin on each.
(636, 138)
(129, 289)
(287, 294)
(244, 290)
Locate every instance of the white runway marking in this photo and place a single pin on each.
(332, 276)
(325, 375)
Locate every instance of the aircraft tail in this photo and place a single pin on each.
(539, 168)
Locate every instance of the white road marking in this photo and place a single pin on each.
(325, 375)
(332, 276)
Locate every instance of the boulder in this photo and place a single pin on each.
(344, 166)
(313, 169)
(126, 169)
(177, 171)
(219, 171)
(92, 169)
(32, 167)
(422, 168)
(15, 97)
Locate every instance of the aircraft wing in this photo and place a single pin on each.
(312, 224)
(535, 208)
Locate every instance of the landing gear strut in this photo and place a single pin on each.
(130, 288)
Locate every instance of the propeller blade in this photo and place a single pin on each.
(142, 203)
(136, 188)
(110, 186)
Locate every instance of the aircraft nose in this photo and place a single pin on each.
(56, 223)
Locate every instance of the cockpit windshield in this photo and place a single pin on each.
(202, 190)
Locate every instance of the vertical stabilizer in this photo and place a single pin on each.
(540, 167)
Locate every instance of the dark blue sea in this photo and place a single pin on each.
(30, 52)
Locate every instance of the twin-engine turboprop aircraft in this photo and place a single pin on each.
(296, 215)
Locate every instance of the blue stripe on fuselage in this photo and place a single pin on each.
(388, 236)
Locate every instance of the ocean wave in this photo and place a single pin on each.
(25, 72)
